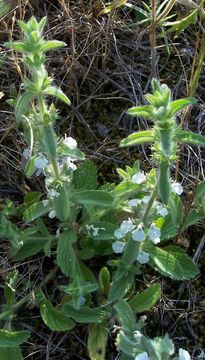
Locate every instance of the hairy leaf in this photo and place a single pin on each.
(34, 211)
(97, 340)
(84, 314)
(85, 177)
(93, 197)
(58, 93)
(143, 111)
(11, 353)
(120, 287)
(52, 44)
(126, 315)
(146, 299)
(56, 320)
(137, 138)
(13, 338)
(191, 138)
(22, 106)
(172, 262)
(65, 253)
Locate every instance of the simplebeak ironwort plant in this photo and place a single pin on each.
(87, 218)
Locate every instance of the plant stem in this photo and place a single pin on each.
(149, 205)
(42, 104)
(55, 168)
(27, 297)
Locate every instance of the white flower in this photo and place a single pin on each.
(26, 153)
(142, 356)
(154, 234)
(126, 226)
(184, 355)
(58, 232)
(93, 230)
(146, 199)
(143, 257)
(52, 214)
(53, 193)
(70, 142)
(139, 178)
(177, 188)
(134, 202)
(45, 202)
(40, 162)
(138, 234)
(161, 210)
(137, 335)
(69, 162)
(118, 247)
(118, 234)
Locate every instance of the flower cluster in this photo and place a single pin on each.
(139, 234)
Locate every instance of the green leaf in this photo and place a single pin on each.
(58, 93)
(104, 280)
(193, 217)
(126, 188)
(93, 197)
(65, 254)
(163, 346)
(179, 26)
(61, 202)
(10, 287)
(48, 139)
(23, 26)
(168, 228)
(115, 4)
(11, 353)
(164, 182)
(16, 45)
(143, 111)
(73, 153)
(191, 138)
(34, 211)
(84, 314)
(180, 104)
(145, 300)
(32, 246)
(97, 340)
(200, 192)
(52, 44)
(30, 167)
(172, 262)
(85, 177)
(126, 315)
(139, 137)
(176, 209)
(127, 346)
(120, 287)
(13, 338)
(4, 8)
(56, 320)
(22, 106)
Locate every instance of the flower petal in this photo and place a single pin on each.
(139, 178)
